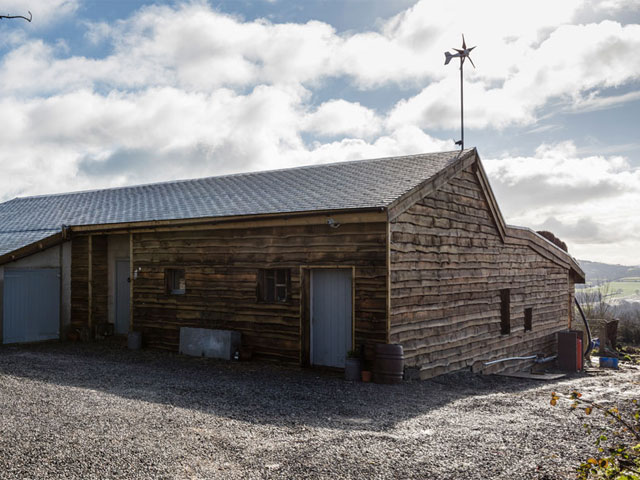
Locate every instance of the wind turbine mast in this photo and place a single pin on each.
(462, 54)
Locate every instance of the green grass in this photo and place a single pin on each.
(621, 289)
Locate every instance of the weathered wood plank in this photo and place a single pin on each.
(221, 272)
(448, 265)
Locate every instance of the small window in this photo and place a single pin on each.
(505, 311)
(174, 281)
(528, 317)
(274, 285)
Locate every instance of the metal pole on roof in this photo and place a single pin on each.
(462, 54)
(461, 107)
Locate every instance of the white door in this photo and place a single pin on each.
(331, 323)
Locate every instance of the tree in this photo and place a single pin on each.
(18, 16)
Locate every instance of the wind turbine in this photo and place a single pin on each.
(462, 54)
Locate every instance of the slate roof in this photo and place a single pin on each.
(336, 186)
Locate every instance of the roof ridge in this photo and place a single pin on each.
(239, 174)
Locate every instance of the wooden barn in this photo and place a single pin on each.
(306, 263)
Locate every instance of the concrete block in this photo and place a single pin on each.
(206, 342)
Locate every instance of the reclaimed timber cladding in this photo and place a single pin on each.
(80, 282)
(99, 285)
(448, 265)
(221, 272)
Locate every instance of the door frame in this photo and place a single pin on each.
(115, 293)
(306, 294)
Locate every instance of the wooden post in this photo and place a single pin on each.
(90, 283)
(60, 293)
(300, 310)
(131, 270)
(353, 308)
(388, 282)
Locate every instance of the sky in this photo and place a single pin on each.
(105, 93)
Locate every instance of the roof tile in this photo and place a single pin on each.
(336, 186)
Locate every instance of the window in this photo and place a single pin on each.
(505, 311)
(274, 285)
(528, 317)
(174, 281)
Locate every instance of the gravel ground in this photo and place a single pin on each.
(100, 411)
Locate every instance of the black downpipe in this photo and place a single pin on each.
(586, 324)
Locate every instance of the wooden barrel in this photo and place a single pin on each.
(389, 364)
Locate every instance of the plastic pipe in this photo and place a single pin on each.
(547, 359)
(492, 362)
(587, 354)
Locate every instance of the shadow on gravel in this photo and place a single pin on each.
(253, 392)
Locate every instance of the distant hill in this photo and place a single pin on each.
(605, 272)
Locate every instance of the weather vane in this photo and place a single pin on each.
(462, 54)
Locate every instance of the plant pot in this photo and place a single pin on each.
(365, 375)
(134, 340)
(352, 369)
(246, 353)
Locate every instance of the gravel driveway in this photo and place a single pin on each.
(98, 411)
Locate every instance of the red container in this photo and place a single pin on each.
(579, 354)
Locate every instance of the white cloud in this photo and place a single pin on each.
(339, 117)
(593, 102)
(83, 139)
(527, 55)
(404, 141)
(187, 91)
(45, 12)
(591, 202)
(572, 60)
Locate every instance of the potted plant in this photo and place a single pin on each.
(365, 373)
(352, 366)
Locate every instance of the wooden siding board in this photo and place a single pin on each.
(80, 282)
(99, 282)
(449, 261)
(221, 267)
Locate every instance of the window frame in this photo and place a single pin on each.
(528, 319)
(270, 281)
(175, 277)
(505, 311)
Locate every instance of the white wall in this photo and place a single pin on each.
(117, 249)
(52, 257)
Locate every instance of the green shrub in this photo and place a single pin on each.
(618, 445)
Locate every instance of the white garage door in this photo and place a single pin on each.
(31, 305)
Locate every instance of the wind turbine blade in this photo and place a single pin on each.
(469, 50)
(447, 57)
(464, 44)
(474, 66)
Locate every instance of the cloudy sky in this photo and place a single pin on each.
(100, 93)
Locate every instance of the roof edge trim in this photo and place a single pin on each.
(30, 249)
(185, 222)
(424, 188)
